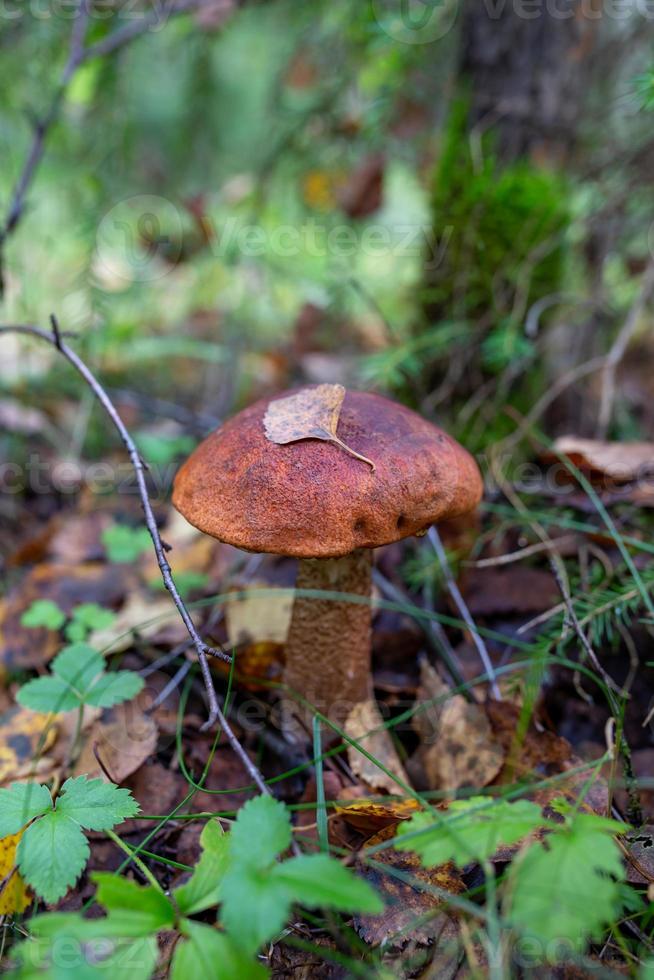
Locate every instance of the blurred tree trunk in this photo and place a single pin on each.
(528, 66)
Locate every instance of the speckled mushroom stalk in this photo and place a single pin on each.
(328, 645)
(314, 501)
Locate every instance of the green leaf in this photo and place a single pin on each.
(203, 889)
(94, 804)
(134, 910)
(254, 908)
(211, 955)
(125, 544)
(262, 831)
(48, 694)
(565, 889)
(110, 689)
(78, 664)
(76, 632)
(93, 616)
(470, 830)
(319, 881)
(43, 612)
(93, 951)
(52, 854)
(20, 803)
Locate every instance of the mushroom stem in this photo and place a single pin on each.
(328, 646)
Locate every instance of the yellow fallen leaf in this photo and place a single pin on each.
(24, 736)
(311, 413)
(373, 815)
(14, 896)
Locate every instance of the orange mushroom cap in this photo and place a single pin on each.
(311, 499)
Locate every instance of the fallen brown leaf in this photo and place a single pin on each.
(459, 748)
(311, 413)
(364, 723)
(622, 461)
(367, 815)
(123, 737)
(413, 911)
(66, 585)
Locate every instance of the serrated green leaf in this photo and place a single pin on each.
(261, 832)
(52, 854)
(319, 881)
(20, 803)
(254, 908)
(211, 955)
(203, 889)
(94, 804)
(48, 694)
(135, 910)
(113, 688)
(78, 664)
(565, 888)
(43, 612)
(470, 830)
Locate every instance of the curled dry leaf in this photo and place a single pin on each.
(364, 724)
(622, 461)
(411, 898)
(459, 748)
(311, 413)
(368, 815)
(14, 896)
(123, 737)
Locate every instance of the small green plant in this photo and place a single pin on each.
(125, 544)
(86, 618)
(83, 619)
(78, 677)
(53, 849)
(239, 871)
(565, 887)
(43, 613)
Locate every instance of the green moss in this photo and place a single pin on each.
(504, 225)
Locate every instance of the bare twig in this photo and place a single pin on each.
(453, 589)
(618, 349)
(78, 54)
(203, 650)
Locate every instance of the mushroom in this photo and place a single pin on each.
(313, 501)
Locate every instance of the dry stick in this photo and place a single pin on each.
(453, 589)
(203, 649)
(35, 154)
(618, 349)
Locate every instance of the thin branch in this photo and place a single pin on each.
(618, 350)
(78, 54)
(203, 649)
(453, 589)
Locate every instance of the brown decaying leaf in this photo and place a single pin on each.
(24, 735)
(311, 413)
(622, 461)
(368, 815)
(411, 913)
(459, 748)
(14, 896)
(123, 737)
(66, 585)
(364, 724)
